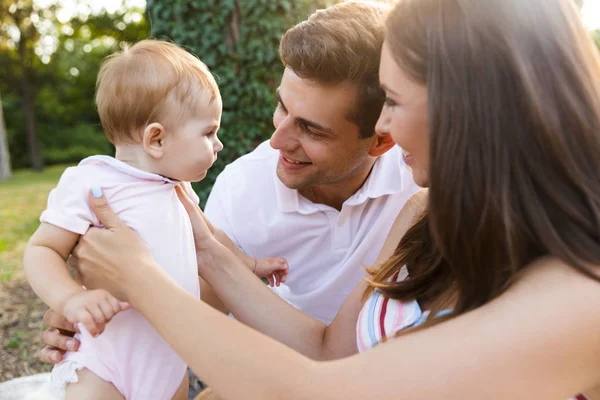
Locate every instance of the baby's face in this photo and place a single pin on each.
(192, 147)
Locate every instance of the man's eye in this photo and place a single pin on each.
(306, 129)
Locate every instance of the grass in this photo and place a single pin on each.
(22, 200)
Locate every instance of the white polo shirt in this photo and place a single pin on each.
(326, 249)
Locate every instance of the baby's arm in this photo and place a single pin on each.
(47, 273)
(275, 269)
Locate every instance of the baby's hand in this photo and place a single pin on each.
(275, 269)
(93, 308)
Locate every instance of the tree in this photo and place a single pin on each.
(18, 15)
(65, 56)
(5, 171)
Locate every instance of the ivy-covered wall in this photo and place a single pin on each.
(239, 41)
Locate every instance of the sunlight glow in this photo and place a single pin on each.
(591, 14)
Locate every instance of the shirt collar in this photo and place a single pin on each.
(389, 175)
(126, 168)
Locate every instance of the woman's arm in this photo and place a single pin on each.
(261, 309)
(538, 340)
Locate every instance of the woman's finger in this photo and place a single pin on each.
(202, 231)
(55, 320)
(58, 340)
(51, 355)
(100, 207)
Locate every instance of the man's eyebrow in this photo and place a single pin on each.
(279, 99)
(315, 125)
(304, 121)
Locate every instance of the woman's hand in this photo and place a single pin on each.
(208, 248)
(58, 338)
(112, 258)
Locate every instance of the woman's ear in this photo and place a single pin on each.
(153, 140)
(381, 144)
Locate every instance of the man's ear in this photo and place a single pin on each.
(153, 140)
(381, 144)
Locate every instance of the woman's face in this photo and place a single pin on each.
(404, 116)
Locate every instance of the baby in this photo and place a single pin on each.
(161, 108)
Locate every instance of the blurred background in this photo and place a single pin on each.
(50, 53)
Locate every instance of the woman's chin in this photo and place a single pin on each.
(420, 177)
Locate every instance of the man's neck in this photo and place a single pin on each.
(335, 194)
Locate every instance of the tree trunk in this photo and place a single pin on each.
(32, 139)
(5, 171)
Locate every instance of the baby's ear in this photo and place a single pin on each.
(153, 140)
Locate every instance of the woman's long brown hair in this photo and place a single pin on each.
(514, 119)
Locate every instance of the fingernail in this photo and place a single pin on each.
(71, 344)
(96, 192)
(55, 357)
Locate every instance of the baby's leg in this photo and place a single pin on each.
(182, 392)
(91, 387)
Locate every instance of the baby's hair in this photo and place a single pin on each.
(151, 81)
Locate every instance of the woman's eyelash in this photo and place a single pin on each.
(390, 103)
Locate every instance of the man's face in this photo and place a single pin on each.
(317, 142)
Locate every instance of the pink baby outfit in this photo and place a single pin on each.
(130, 353)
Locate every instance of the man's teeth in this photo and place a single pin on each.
(294, 162)
(405, 153)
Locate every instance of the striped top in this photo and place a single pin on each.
(382, 317)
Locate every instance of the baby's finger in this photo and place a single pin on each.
(107, 310)
(118, 305)
(88, 322)
(114, 304)
(97, 313)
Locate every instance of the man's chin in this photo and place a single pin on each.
(290, 182)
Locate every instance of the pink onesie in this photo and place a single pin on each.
(130, 353)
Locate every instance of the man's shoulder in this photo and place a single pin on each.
(246, 183)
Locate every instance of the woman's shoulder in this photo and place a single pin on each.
(553, 267)
(417, 203)
(413, 207)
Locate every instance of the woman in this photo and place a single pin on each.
(497, 106)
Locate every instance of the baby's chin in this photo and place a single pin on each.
(199, 177)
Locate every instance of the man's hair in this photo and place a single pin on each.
(342, 43)
(151, 81)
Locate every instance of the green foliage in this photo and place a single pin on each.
(239, 42)
(16, 340)
(596, 37)
(22, 199)
(68, 127)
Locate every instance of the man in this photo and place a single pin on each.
(325, 190)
